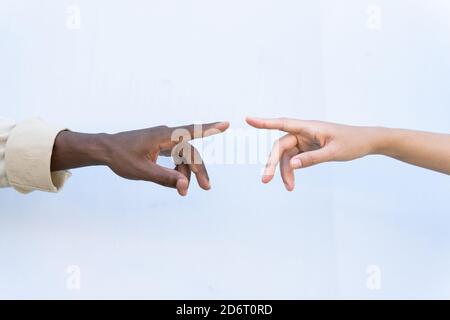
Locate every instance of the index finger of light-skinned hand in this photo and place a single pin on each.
(280, 146)
(195, 131)
(283, 124)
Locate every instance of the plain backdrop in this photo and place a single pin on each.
(131, 64)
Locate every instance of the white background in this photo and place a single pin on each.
(136, 64)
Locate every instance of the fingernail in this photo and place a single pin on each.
(296, 163)
(266, 178)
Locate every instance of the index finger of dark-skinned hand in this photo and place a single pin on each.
(196, 131)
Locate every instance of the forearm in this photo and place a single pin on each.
(423, 149)
(75, 150)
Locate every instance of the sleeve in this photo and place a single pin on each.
(6, 127)
(25, 156)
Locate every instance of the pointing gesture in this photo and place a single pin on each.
(309, 143)
(133, 154)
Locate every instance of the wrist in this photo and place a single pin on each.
(74, 150)
(99, 148)
(379, 140)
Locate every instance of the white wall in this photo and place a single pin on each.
(135, 64)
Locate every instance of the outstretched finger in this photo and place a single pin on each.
(195, 131)
(283, 124)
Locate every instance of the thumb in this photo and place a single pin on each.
(168, 178)
(311, 158)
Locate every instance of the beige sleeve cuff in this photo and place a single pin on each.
(28, 155)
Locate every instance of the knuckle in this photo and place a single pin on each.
(282, 121)
(162, 130)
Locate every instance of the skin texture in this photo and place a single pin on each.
(133, 154)
(308, 143)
